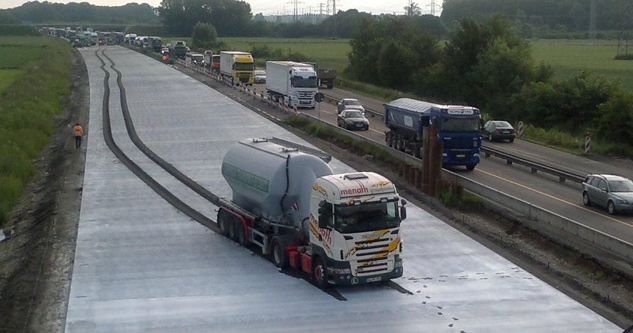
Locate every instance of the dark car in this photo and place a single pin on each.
(498, 130)
(615, 193)
(352, 119)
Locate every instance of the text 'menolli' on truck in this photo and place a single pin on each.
(457, 129)
(294, 83)
(237, 66)
(339, 228)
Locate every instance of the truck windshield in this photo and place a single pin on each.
(240, 66)
(368, 216)
(461, 124)
(304, 82)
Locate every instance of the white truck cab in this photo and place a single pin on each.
(355, 227)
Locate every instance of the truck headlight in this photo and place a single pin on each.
(475, 143)
(340, 271)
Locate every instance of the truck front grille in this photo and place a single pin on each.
(372, 256)
(305, 94)
(459, 143)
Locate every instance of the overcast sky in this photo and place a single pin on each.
(269, 7)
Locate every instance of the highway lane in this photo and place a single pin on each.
(142, 266)
(540, 189)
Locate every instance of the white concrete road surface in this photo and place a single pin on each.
(142, 266)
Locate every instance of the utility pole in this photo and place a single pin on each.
(433, 5)
(321, 9)
(333, 7)
(592, 21)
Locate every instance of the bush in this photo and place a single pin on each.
(204, 36)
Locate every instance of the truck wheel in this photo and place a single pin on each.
(470, 167)
(232, 226)
(222, 221)
(330, 86)
(319, 273)
(241, 236)
(280, 258)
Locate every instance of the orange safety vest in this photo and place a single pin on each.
(77, 130)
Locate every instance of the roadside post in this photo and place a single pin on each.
(318, 97)
(520, 133)
(587, 143)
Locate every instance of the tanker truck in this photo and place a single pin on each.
(341, 229)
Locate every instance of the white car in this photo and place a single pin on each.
(350, 103)
(260, 76)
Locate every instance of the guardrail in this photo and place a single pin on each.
(554, 225)
(534, 166)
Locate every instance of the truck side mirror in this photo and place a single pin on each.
(403, 210)
(323, 221)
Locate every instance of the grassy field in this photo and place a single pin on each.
(568, 57)
(34, 74)
(327, 53)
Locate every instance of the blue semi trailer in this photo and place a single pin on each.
(457, 128)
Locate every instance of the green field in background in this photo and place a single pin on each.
(568, 57)
(327, 53)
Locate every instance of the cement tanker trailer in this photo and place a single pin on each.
(340, 229)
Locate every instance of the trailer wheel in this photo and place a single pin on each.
(319, 273)
(280, 258)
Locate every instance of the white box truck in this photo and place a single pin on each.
(339, 228)
(294, 83)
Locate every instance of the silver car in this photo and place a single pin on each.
(612, 192)
(349, 103)
(260, 76)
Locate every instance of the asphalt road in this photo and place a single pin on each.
(143, 266)
(540, 189)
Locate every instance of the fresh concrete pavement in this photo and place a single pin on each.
(142, 266)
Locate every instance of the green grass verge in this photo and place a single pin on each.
(7, 77)
(27, 106)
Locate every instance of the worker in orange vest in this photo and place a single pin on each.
(78, 131)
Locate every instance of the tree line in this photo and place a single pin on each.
(487, 65)
(49, 12)
(548, 18)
